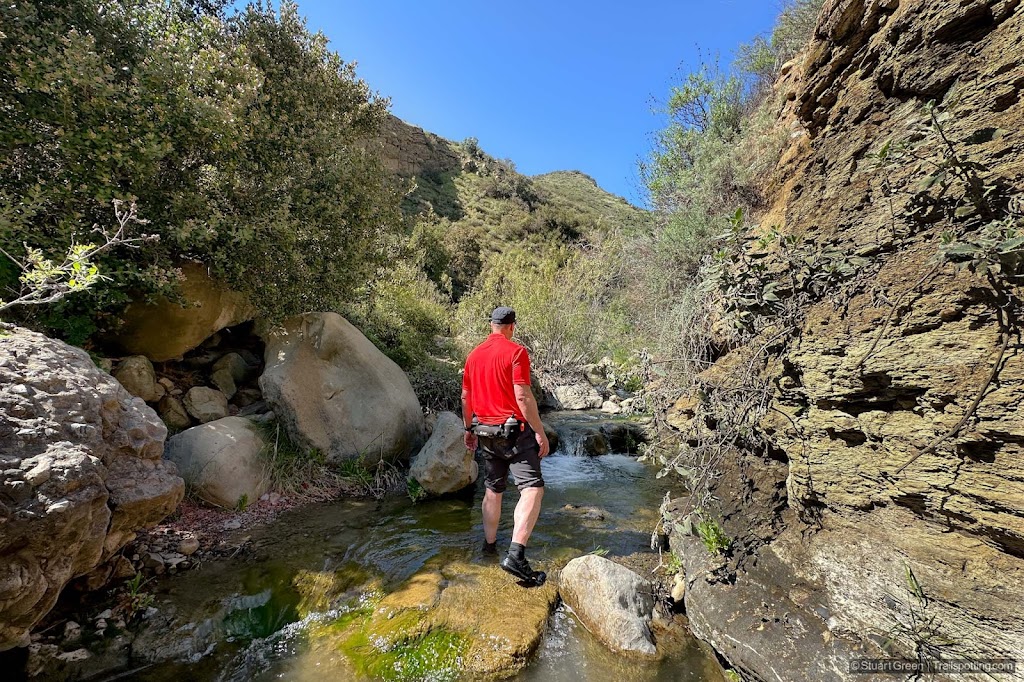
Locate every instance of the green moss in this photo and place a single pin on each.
(400, 648)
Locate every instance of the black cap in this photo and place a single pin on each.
(503, 315)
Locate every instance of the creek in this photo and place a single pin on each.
(316, 566)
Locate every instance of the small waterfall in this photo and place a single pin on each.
(570, 441)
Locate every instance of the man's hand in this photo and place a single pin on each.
(470, 441)
(542, 441)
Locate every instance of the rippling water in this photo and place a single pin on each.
(265, 634)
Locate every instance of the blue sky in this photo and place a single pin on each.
(553, 85)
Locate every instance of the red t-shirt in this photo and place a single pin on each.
(492, 369)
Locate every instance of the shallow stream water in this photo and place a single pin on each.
(263, 611)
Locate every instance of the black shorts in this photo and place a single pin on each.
(499, 460)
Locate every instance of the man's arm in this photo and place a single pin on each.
(528, 404)
(467, 419)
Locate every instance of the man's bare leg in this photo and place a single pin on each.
(527, 511)
(492, 514)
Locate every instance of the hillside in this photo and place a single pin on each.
(487, 197)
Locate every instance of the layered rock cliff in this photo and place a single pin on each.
(888, 511)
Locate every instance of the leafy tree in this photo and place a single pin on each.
(241, 140)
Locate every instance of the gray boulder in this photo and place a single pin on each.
(576, 397)
(136, 374)
(335, 391)
(596, 374)
(206, 404)
(80, 472)
(173, 413)
(444, 465)
(235, 366)
(613, 602)
(224, 382)
(221, 460)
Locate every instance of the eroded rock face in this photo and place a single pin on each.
(408, 150)
(80, 471)
(444, 465)
(336, 392)
(221, 461)
(835, 521)
(612, 601)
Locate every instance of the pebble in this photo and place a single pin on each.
(103, 615)
(173, 558)
(72, 630)
(679, 588)
(233, 524)
(153, 560)
(188, 546)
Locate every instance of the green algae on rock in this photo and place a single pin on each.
(460, 619)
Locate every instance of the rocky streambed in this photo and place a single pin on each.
(361, 589)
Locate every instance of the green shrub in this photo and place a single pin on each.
(401, 311)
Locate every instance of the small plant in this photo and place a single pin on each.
(997, 249)
(733, 676)
(674, 564)
(911, 622)
(375, 479)
(414, 490)
(714, 538)
(356, 471)
(243, 502)
(599, 551)
(133, 600)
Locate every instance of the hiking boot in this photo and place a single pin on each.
(490, 548)
(520, 568)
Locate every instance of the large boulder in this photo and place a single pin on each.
(80, 472)
(221, 461)
(334, 391)
(613, 602)
(444, 465)
(165, 330)
(581, 396)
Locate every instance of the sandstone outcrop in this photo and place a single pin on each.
(336, 392)
(221, 461)
(444, 465)
(165, 330)
(81, 471)
(613, 602)
(862, 500)
(410, 151)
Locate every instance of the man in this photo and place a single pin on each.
(501, 417)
